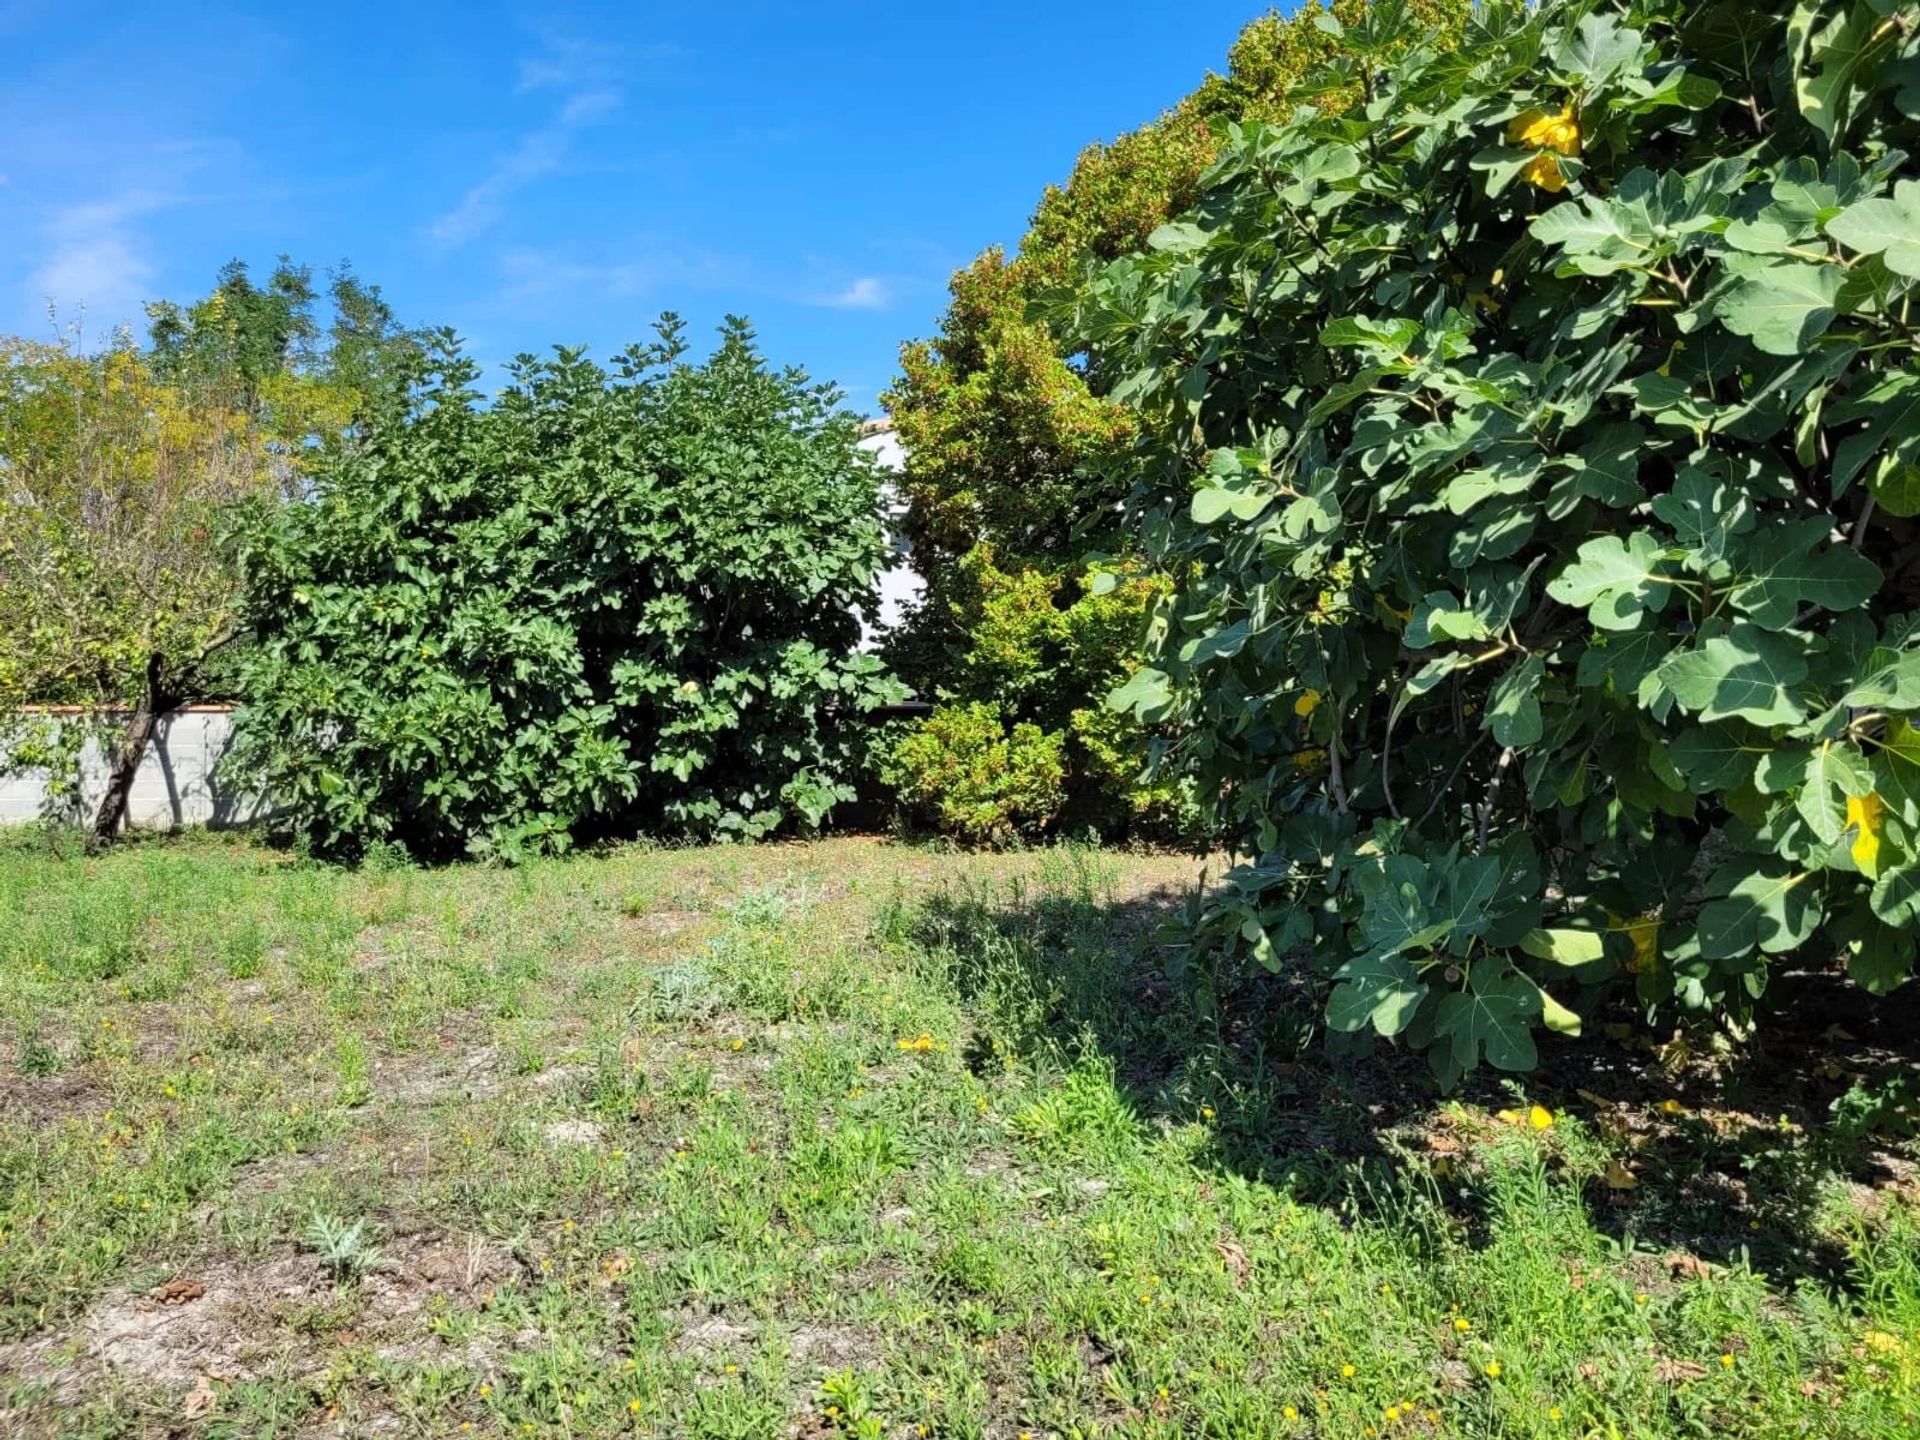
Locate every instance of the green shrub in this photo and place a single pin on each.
(1006, 431)
(1536, 446)
(971, 773)
(604, 602)
(1046, 647)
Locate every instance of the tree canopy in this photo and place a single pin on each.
(610, 599)
(1534, 447)
(121, 470)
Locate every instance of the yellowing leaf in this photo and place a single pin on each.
(1621, 1178)
(1545, 130)
(1511, 1117)
(1644, 933)
(1866, 817)
(1307, 704)
(1543, 173)
(1671, 1107)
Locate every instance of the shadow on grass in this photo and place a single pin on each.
(1733, 1151)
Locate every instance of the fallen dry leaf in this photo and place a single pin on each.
(1687, 1267)
(1235, 1258)
(1669, 1371)
(178, 1292)
(200, 1400)
(1621, 1178)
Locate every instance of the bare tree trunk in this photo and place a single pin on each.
(127, 755)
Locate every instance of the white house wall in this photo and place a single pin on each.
(901, 585)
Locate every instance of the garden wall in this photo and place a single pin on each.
(174, 786)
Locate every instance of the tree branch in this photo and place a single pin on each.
(1493, 792)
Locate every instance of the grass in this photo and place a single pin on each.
(858, 1139)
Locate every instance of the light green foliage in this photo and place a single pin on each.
(343, 1249)
(977, 776)
(732, 1142)
(1534, 442)
(606, 600)
(1006, 433)
(1047, 665)
(123, 467)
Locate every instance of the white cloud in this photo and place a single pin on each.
(95, 265)
(538, 153)
(869, 292)
(641, 268)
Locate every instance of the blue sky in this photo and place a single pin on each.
(536, 176)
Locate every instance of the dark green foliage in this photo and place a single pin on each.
(1537, 445)
(608, 600)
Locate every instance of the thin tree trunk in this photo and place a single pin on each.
(127, 756)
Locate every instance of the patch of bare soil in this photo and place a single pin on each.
(710, 1339)
(428, 1079)
(232, 1319)
(39, 1100)
(663, 924)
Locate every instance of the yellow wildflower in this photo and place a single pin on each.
(1463, 1325)
(1347, 1372)
(1727, 1361)
(1866, 817)
(1540, 1118)
(1492, 1369)
(1289, 1413)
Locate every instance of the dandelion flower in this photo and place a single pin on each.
(1492, 1369)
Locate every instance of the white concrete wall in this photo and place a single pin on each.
(174, 785)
